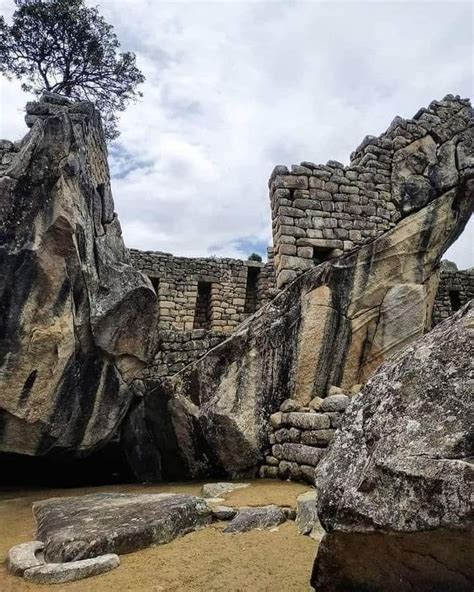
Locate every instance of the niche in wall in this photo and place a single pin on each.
(321, 254)
(455, 300)
(251, 294)
(203, 312)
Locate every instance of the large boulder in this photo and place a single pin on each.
(75, 528)
(74, 315)
(395, 487)
(334, 325)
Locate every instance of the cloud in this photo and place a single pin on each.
(234, 88)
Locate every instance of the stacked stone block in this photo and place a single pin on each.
(299, 436)
(455, 289)
(321, 211)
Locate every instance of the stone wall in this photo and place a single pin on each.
(455, 289)
(320, 211)
(177, 350)
(204, 293)
(299, 436)
(200, 301)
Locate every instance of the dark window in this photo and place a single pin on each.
(202, 315)
(251, 295)
(455, 300)
(321, 254)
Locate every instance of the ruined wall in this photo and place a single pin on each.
(455, 289)
(180, 283)
(200, 301)
(321, 211)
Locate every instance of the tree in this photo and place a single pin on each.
(65, 47)
(255, 257)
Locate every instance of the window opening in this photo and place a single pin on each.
(321, 254)
(251, 294)
(202, 315)
(455, 300)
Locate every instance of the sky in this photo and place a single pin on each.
(235, 88)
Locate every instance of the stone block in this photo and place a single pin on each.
(287, 250)
(267, 472)
(306, 421)
(305, 252)
(298, 453)
(319, 438)
(335, 403)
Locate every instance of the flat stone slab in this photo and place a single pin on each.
(59, 573)
(220, 489)
(22, 557)
(256, 518)
(75, 528)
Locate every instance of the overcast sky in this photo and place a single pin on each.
(234, 88)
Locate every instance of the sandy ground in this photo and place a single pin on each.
(204, 561)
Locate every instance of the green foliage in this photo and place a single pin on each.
(255, 257)
(65, 47)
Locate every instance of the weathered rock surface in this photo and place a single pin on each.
(81, 527)
(307, 519)
(256, 518)
(74, 315)
(60, 573)
(220, 489)
(334, 325)
(395, 488)
(23, 556)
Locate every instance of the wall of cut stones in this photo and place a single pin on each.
(456, 288)
(200, 302)
(300, 435)
(321, 211)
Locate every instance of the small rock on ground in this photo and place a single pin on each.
(220, 489)
(59, 573)
(22, 557)
(224, 512)
(256, 518)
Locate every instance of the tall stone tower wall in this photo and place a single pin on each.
(321, 211)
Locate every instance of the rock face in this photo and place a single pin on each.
(77, 528)
(395, 487)
(74, 315)
(334, 325)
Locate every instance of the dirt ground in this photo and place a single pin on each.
(204, 561)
